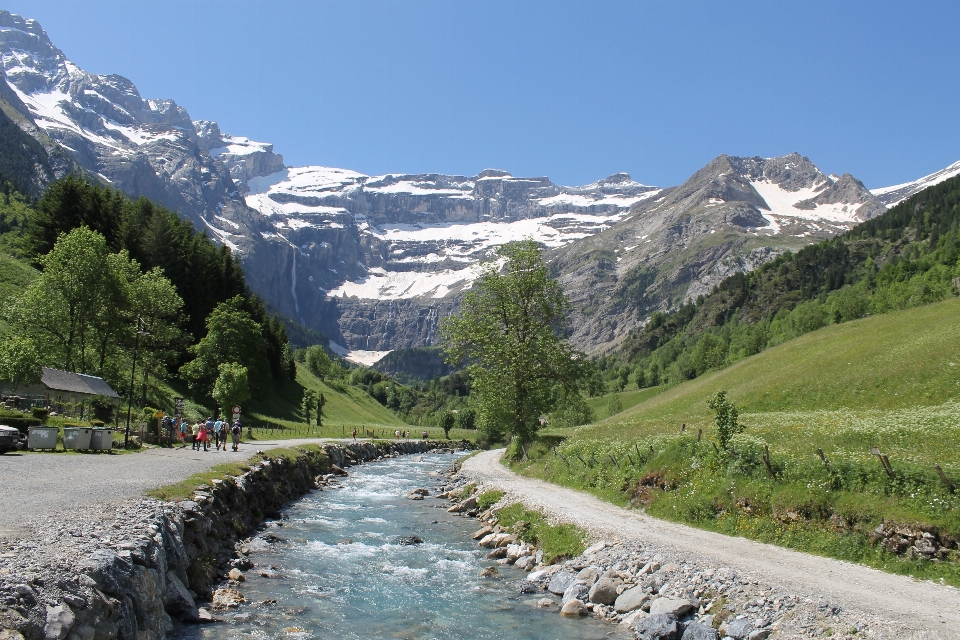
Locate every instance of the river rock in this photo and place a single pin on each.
(573, 608)
(576, 591)
(739, 629)
(538, 575)
(670, 606)
(497, 554)
(658, 627)
(408, 540)
(227, 599)
(592, 549)
(482, 533)
(604, 591)
(546, 603)
(630, 600)
(178, 599)
(759, 634)
(525, 563)
(237, 575)
(490, 572)
(697, 631)
(589, 575)
(560, 581)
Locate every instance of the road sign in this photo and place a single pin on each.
(236, 409)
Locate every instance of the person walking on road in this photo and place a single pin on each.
(219, 434)
(202, 436)
(236, 431)
(195, 435)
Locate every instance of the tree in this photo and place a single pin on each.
(726, 418)
(231, 387)
(447, 420)
(317, 361)
(19, 362)
(466, 418)
(641, 378)
(308, 402)
(508, 332)
(614, 406)
(65, 308)
(232, 336)
(320, 402)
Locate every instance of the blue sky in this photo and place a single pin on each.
(572, 90)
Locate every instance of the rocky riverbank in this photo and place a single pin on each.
(657, 593)
(129, 572)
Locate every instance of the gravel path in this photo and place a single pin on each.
(40, 484)
(929, 610)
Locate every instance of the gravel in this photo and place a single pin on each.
(42, 484)
(795, 595)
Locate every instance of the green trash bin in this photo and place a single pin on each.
(101, 439)
(42, 437)
(76, 438)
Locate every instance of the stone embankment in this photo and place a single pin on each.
(130, 573)
(656, 593)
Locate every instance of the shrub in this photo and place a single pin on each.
(488, 498)
(40, 413)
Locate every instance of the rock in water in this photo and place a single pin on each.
(559, 583)
(573, 608)
(410, 540)
(490, 572)
(227, 599)
(604, 591)
(658, 627)
(237, 575)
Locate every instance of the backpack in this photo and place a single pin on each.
(235, 430)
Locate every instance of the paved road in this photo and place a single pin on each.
(932, 610)
(33, 484)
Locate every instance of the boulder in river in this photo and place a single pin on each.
(407, 540)
(573, 608)
(490, 572)
(559, 583)
(658, 627)
(604, 591)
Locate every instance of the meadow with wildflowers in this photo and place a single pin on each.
(801, 472)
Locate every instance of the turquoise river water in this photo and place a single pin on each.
(338, 571)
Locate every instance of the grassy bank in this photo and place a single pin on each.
(888, 382)
(185, 488)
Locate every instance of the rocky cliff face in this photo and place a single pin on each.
(730, 216)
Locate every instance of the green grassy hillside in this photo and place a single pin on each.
(890, 381)
(15, 275)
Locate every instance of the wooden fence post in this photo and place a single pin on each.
(884, 461)
(766, 460)
(944, 478)
(826, 463)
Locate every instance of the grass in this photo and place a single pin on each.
(628, 399)
(186, 488)
(889, 381)
(557, 541)
(488, 498)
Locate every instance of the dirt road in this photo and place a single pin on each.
(37, 484)
(929, 610)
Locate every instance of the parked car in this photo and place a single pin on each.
(11, 439)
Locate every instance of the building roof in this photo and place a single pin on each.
(57, 380)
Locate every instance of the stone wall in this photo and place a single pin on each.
(130, 578)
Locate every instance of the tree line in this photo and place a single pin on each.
(116, 272)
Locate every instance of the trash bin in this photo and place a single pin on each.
(42, 437)
(101, 439)
(76, 438)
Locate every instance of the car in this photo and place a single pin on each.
(10, 439)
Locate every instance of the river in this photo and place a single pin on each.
(338, 571)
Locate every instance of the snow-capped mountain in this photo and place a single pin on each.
(892, 196)
(375, 261)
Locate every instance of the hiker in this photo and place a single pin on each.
(183, 433)
(195, 435)
(354, 433)
(220, 433)
(396, 434)
(202, 435)
(425, 435)
(236, 431)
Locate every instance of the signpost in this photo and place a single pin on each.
(236, 416)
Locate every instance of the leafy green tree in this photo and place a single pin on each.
(308, 403)
(231, 387)
(508, 332)
(19, 362)
(571, 411)
(726, 418)
(65, 307)
(232, 336)
(317, 361)
(614, 406)
(640, 377)
(623, 376)
(447, 421)
(466, 418)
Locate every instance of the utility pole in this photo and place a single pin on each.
(133, 369)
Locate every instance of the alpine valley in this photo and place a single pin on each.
(374, 262)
